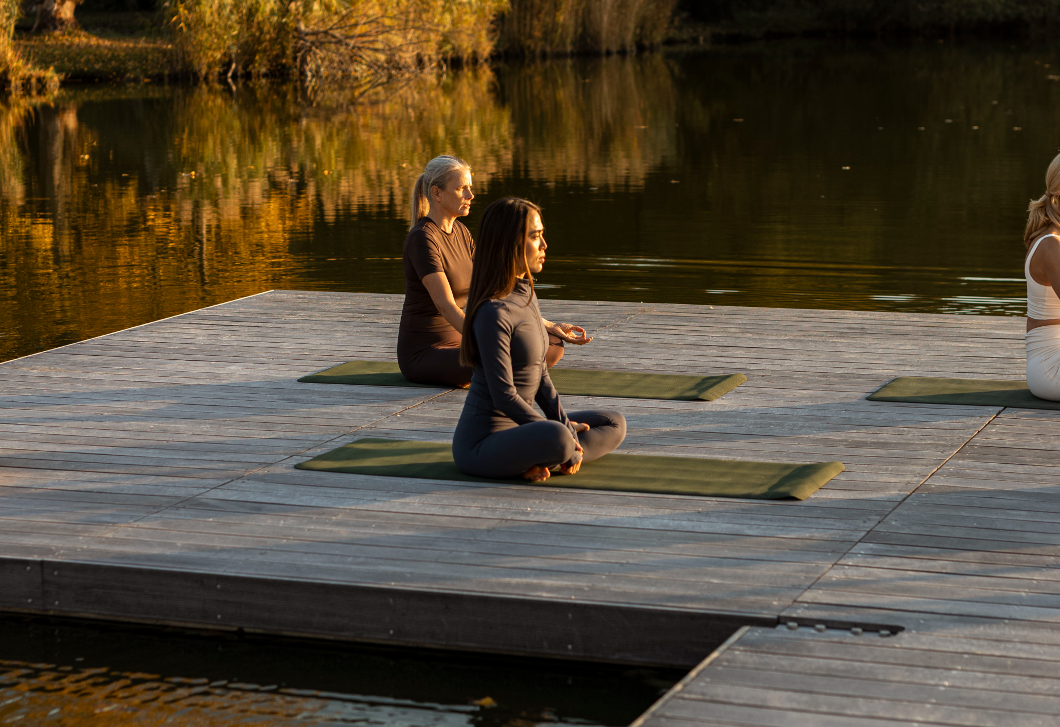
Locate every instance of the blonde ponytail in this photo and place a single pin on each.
(419, 203)
(1043, 214)
(435, 174)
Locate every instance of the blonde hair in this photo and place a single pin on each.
(1044, 213)
(435, 174)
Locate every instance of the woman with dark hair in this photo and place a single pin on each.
(437, 258)
(504, 341)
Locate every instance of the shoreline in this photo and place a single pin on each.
(102, 51)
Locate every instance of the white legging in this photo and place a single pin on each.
(1043, 362)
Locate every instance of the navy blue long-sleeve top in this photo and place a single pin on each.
(510, 373)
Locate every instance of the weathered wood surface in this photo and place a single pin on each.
(149, 475)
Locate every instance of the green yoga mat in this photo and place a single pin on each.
(967, 392)
(571, 382)
(624, 472)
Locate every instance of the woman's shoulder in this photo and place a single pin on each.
(427, 230)
(422, 236)
(1046, 240)
(493, 311)
(495, 305)
(417, 231)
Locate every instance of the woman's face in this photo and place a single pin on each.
(535, 242)
(455, 199)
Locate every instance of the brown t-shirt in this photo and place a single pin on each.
(428, 249)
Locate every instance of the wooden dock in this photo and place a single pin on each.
(148, 476)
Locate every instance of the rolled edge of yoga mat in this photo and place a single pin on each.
(723, 387)
(808, 478)
(960, 392)
(683, 476)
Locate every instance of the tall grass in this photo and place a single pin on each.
(17, 75)
(8, 16)
(535, 27)
(329, 37)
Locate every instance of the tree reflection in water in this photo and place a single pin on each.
(805, 175)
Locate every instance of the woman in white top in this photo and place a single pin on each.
(1042, 269)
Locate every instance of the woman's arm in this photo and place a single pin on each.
(442, 295)
(548, 399)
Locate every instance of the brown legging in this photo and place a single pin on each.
(440, 363)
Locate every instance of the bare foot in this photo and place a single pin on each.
(537, 473)
(575, 463)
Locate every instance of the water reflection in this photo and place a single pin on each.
(69, 674)
(807, 175)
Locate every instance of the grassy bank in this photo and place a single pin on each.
(378, 39)
(317, 39)
(83, 57)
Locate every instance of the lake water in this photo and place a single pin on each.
(69, 675)
(792, 174)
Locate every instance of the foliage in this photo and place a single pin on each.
(329, 37)
(9, 11)
(567, 26)
(18, 76)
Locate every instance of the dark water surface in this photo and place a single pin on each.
(72, 675)
(794, 174)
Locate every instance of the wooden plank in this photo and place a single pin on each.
(770, 674)
(147, 467)
(389, 615)
(21, 580)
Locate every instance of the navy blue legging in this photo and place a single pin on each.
(511, 452)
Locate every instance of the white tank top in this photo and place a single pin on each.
(1042, 302)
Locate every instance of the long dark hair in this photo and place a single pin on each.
(500, 257)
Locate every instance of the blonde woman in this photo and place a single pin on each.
(1042, 269)
(437, 257)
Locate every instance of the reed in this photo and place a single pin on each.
(320, 38)
(17, 75)
(9, 10)
(541, 27)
